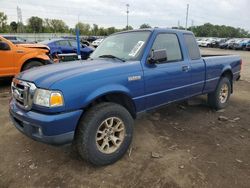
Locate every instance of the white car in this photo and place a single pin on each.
(201, 40)
(207, 42)
(97, 42)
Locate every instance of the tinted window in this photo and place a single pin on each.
(10, 38)
(73, 43)
(193, 50)
(170, 43)
(62, 43)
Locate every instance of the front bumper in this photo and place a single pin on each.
(56, 129)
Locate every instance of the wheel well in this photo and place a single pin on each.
(30, 60)
(229, 74)
(118, 98)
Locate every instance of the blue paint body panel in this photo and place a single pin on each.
(82, 82)
(57, 48)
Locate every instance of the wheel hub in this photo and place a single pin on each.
(224, 93)
(110, 135)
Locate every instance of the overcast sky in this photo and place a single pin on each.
(157, 13)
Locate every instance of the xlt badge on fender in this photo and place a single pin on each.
(134, 78)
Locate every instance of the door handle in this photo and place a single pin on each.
(185, 68)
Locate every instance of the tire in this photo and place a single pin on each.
(219, 98)
(32, 64)
(92, 127)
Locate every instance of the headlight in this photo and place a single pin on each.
(48, 98)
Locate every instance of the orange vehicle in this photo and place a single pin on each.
(15, 58)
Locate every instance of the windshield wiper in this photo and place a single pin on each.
(112, 57)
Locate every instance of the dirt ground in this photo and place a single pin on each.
(180, 145)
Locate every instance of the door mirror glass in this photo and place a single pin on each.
(4, 46)
(158, 56)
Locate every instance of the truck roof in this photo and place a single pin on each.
(158, 30)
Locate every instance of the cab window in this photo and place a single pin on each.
(193, 50)
(170, 43)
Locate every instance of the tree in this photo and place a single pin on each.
(35, 24)
(58, 25)
(128, 28)
(210, 30)
(83, 28)
(3, 22)
(111, 30)
(13, 27)
(102, 31)
(46, 24)
(145, 26)
(95, 29)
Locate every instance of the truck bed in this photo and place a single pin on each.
(216, 64)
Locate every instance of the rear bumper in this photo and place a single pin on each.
(56, 129)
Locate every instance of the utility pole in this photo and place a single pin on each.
(192, 25)
(178, 24)
(127, 5)
(19, 19)
(187, 16)
(78, 39)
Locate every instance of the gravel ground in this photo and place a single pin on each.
(180, 145)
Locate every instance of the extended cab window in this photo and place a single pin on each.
(169, 42)
(193, 50)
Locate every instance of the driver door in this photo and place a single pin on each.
(6, 61)
(167, 81)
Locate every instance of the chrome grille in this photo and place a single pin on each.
(23, 92)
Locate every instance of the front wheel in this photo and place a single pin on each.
(104, 134)
(219, 98)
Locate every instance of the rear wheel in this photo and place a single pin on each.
(219, 98)
(32, 64)
(104, 134)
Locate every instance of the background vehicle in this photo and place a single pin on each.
(241, 45)
(200, 41)
(225, 44)
(66, 46)
(87, 43)
(207, 42)
(15, 58)
(216, 43)
(248, 46)
(232, 43)
(97, 42)
(15, 39)
(93, 104)
(91, 38)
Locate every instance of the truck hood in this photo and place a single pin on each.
(41, 46)
(46, 76)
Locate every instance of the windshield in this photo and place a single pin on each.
(126, 46)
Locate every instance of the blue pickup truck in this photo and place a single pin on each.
(93, 103)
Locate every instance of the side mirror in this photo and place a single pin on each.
(158, 56)
(4, 46)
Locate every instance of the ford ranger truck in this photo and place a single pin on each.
(15, 58)
(93, 103)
